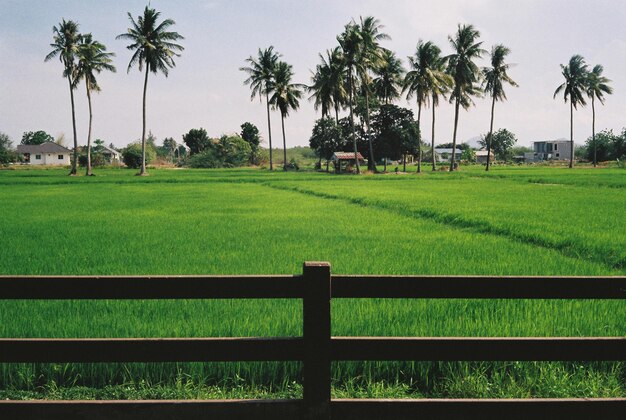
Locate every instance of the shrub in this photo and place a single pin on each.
(131, 155)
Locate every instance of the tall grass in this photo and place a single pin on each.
(255, 222)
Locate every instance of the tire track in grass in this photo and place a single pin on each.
(567, 248)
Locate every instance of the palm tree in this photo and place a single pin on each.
(92, 58)
(597, 86)
(286, 96)
(464, 72)
(65, 46)
(388, 81)
(337, 79)
(322, 90)
(427, 77)
(495, 76)
(574, 87)
(350, 42)
(260, 76)
(155, 49)
(370, 57)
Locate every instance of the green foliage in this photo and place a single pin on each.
(131, 155)
(609, 146)
(501, 143)
(197, 140)
(36, 137)
(227, 152)
(395, 132)
(468, 155)
(326, 138)
(250, 133)
(7, 155)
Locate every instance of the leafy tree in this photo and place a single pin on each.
(136, 155)
(250, 133)
(501, 143)
(468, 155)
(6, 152)
(396, 132)
(574, 87)
(260, 77)
(597, 86)
(605, 146)
(92, 58)
(495, 77)
(36, 137)
(65, 46)
(465, 73)
(155, 49)
(197, 140)
(326, 138)
(285, 97)
(234, 151)
(169, 147)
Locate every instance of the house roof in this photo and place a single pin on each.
(448, 151)
(346, 156)
(47, 147)
(482, 153)
(108, 149)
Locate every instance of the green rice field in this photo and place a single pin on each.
(511, 221)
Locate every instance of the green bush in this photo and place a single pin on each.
(131, 155)
(206, 159)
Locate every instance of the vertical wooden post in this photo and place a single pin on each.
(316, 329)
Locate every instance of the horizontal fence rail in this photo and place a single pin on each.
(316, 348)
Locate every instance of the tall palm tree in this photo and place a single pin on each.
(371, 57)
(322, 90)
(65, 46)
(597, 86)
(350, 42)
(155, 49)
(574, 88)
(464, 72)
(286, 96)
(260, 76)
(92, 58)
(336, 64)
(388, 80)
(495, 77)
(427, 77)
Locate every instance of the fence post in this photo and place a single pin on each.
(316, 332)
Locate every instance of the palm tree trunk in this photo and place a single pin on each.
(282, 121)
(419, 139)
(89, 173)
(371, 163)
(432, 144)
(337, 114)
(356, 157)
(490, 135)
(73, 171)
(571, 134)
(143, 172)
(269, 129)
(593, 131)
(456, 123)
(404, 162)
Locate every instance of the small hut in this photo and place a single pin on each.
(345, 162)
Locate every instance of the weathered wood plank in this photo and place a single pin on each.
(151, 350)
(150, 287)
(479, 349)
(481, 409)
(479, 287)
(151, 410)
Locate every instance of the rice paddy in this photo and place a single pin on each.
(547, 221)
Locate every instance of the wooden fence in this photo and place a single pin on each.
(316, 348)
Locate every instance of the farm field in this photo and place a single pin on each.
(511, 221)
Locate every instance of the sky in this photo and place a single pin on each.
(206, 88)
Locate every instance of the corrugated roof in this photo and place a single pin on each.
(447, 150)
(346, 155)
(47, 147)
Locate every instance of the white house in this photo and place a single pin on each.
(48, 153)
(111, 155)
